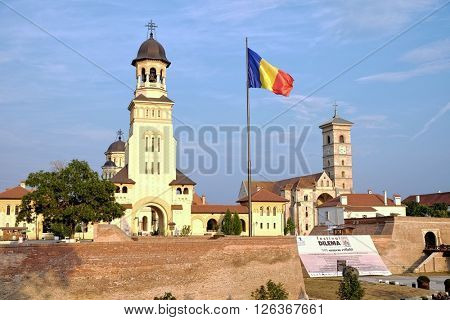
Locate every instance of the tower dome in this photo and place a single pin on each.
(116, 146)
(151, 49)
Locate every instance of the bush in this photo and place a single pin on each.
(237, 225)
(290, 227)
(227, 224)
(350, 287)
(186, 231)
(60, 230)
(271, 291)
(166, 296)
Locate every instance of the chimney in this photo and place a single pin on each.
(203, 199)
(369, 191)
(397, 199)
(417, 198)
(22, 184)
(258, 188)
(344, 200)
(385, 197)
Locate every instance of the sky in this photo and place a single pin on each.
(66, 82)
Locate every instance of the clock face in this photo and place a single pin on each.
(342, 150)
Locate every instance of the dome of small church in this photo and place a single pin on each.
(152, 50)
(117, 146)
(109, 164)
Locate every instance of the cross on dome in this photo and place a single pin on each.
(151, 27)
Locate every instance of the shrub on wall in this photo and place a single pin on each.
(290, 227)
(350, 287)
(186, 231)
(271, 291)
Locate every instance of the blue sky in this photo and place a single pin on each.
(54, 105)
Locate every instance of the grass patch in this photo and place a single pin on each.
(326, 288)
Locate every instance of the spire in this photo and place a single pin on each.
(335, 105)
(151, 27)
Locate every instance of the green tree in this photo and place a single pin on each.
(290, 226)
(237, 225)
(271, 291)
(438, 210)
(69, 196)
(350, 287)
(227, 224)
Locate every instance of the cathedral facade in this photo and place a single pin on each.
(160, 200)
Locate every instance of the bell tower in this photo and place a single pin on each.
(337, 152)
(151, 146)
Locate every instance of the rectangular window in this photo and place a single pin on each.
(158, 168)
(305, 198)
(159, 144)
(306, 212)
(146, 167)
(153, 144)
(16, 210)
(306, 227)
(268, 225)
(274, 225)
(261, 225)
(152, 168)
(8, 210)
(146, 143)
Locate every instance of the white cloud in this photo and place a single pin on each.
(425, 69)
(372, 121)
(434, 51)
(427, 125)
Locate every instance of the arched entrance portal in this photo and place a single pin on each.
(430, 240)
(324, 197)
(151, 221)
(211, 226)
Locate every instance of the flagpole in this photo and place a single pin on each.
(249, 163)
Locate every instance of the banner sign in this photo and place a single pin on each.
(325, 256)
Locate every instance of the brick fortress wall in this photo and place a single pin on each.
(190, 268)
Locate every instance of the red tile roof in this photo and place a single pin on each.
(218, 208)
(15, 193)
(359, 200)
(264, 195)
(122, 176)
(197, 200)
(182, 179)
(430, 199)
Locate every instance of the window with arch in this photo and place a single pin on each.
(146, 167)
(8, 210)
(153, 113)
(274, 225)
(341, 139)
(343, 186)
(179, 191)
(261, 212)
(343, 174)
(306, 227)
(159, 168)
(306, 212)
(342, 162)
(16, 210)
(7, 225)
(268, 225)
(159, 144)
(321, 183)
(124, 189)
(274, 211)
(146, 113)
(152, 77)
(117, 189)
(329, 163)
(261, 225)
(328, 139)
(153, 144)
(143, 75)
(159, 113)
(152, 168)
(268, 211)
(146, 143)
(185, 191)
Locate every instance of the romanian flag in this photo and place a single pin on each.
(262, 74)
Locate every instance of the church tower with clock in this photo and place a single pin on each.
(337, 152)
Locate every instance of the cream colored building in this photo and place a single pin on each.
(359, 205)
(10, 201)
(156, 195)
